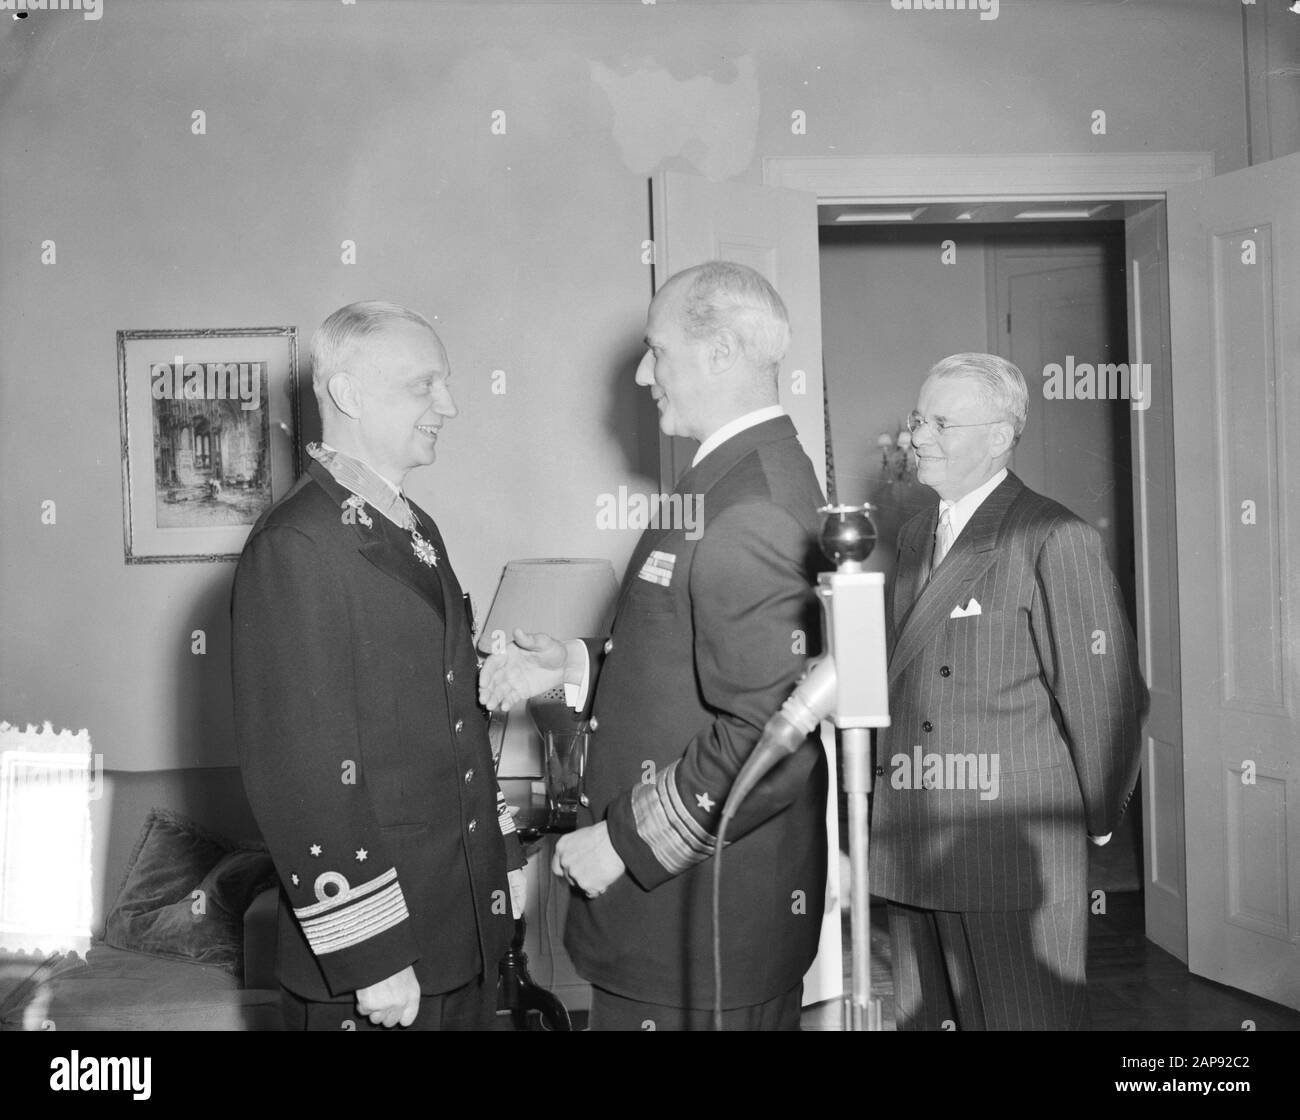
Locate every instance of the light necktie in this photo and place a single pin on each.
(942, 537)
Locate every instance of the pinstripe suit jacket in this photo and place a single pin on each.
(1043, 682)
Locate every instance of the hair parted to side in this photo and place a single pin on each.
(347, 328)
(723, 295)
(1001, 384)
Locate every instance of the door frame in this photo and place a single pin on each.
(1044, 177)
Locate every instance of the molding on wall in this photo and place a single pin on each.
(1254, 57)
(957, 178)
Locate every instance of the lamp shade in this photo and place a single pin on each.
(560, 597)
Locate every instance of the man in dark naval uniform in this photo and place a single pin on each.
(714, 622)
(365, 758)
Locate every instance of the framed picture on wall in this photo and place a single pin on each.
(209, 437)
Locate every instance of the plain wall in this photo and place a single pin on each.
(890, 309)
(371, 122)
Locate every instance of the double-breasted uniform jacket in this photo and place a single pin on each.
(712, 630)
(1017, 648)
(364, 753)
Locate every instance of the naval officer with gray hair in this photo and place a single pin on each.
(363, 752)
(706, 645)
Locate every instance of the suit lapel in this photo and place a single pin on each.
(389, 557)
(971, 555)
(386, 546)
(451, 598)
(915, 545)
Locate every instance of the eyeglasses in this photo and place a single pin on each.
(915, 420)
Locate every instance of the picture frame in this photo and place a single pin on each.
(209, 424)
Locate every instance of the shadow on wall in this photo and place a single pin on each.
(203, 712)
(639, 445)
(309, 422)
(202, 715)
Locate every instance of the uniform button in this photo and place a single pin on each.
(927, 726)
(472, 825)
(460, 726)
(944, 671)
(594, 724)
(469, 775)
(880, 770)
(451, 675)
(609, 645)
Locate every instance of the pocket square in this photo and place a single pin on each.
(973, 607)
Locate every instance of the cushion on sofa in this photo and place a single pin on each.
(185, 892)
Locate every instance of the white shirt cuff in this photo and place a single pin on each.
(575, 695)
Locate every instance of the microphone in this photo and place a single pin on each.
(856, 692)
(812, 700)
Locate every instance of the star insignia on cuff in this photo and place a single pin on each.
(293, 879)
(361, 855)
(314, 849)
(667, 824)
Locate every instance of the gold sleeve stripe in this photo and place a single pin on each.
(343, 898)
(358, 922)
(674, 837)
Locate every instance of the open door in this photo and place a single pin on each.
(1156, 582)
(1234, 290)
(774, 231)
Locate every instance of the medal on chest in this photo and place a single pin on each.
(424, 551)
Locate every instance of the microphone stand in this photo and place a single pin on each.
(850, 681)
(853, 609)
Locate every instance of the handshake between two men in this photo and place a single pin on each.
(530, 665)
(396, 883)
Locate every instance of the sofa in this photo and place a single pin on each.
(111, 988)
(161, 986)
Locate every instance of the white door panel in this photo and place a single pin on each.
(1234, 292)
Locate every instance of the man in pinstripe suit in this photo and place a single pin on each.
(1017, 704)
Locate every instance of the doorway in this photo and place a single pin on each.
(1134, 186)
(1049, 296)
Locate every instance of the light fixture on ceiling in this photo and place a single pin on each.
(880, 215)
(1077, 212)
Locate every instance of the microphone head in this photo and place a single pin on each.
(848, 533)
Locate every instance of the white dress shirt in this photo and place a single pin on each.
(963, 509)
(735, 427)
